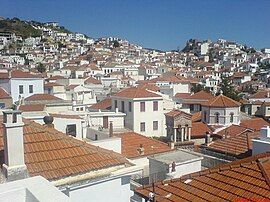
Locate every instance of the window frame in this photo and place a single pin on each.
(155, 105)
(142, 126)
(31, 88)
(129, 106)
(142, 106)
(20, 89)
(155, 127)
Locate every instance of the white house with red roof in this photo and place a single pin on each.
(221, 111)
(20, 84)
(143, 108)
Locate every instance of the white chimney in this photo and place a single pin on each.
(265, 132)
(14, 167)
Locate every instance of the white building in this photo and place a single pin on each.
(262, 144)
(82, 171)
(21, 84)
(143, 109)
(221, 111)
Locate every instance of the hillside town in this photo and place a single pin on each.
(104, 119)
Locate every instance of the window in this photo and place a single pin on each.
(155, 105)
(217, 117)
(205, 115)
(115, 104)
(130, 106)
(142, 126)
(231, 117)
(20, 89)
(2, 105)
(142, 106)
(123, 106)
(30, 88)
(155, 125)
(71, 130)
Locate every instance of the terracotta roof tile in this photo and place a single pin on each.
(105, 104)
(177, 112)
(240, 180)
(232, 130)
(199, 129)
(32, 107)
(182, 95)
(221, 101)
(196, 116)
(134, 92)
(238, 145)
(201, 95)
(65, 116)
(91, 80)
(4, 94)
(19, 74)
(37, 97)
(261, 94)
(254, 123)
(131, 142)
(54, 155)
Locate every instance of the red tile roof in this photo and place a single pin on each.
(261, 94)
(201, 95)
(131, 142)
(91, 80)
(232, 130)
(221, 101)
(238, 145)
(134, 92)
(65, 116)
(51, 84)
(4, 94)
(55, 155)
(103, 104)
(182, 95)
(254, 123)
(177, 112)
(19, 74)
(196, 116)
(199, 129)
(37, 97)
(32, 107)
(242, 180)
(149, 86)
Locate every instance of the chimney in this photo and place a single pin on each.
(14, 167)
(207, 139)
(9, 73)
(111, 129)
(116, 110)
(268, 94)
(265, 132)
(48, 120)
(171, 145)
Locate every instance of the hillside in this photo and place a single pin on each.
(19, 27)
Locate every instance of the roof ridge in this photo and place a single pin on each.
(265, 173)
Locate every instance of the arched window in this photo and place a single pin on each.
(231, 117)
(217, 117)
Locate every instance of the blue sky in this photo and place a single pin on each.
(161, 24)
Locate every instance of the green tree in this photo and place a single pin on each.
(41, 68)
(228, 90)
(116, 44)
(196, 88)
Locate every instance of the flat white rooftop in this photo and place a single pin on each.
(31, 189)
